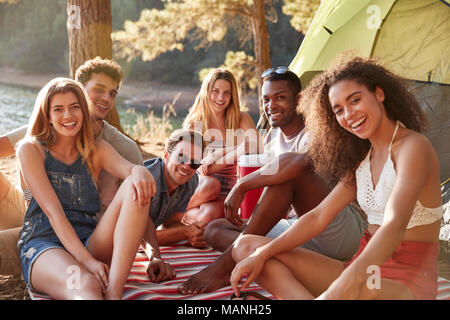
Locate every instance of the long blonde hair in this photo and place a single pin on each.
(202, 110)
(40, 129)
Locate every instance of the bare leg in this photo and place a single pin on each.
(208, 189)
(51, 274)
(264, 217)
(303, 274)
(297, 274)
(206, 212)
(221, 233)
(205, 205)
(116, 238)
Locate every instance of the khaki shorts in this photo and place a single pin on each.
(340, 240)
(12, 209)
(9, 253)
(12, 212)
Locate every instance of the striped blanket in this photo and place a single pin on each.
(186, 262)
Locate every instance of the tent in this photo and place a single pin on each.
(411, 38)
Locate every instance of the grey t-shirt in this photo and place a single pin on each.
(127, 148)
(16, 135)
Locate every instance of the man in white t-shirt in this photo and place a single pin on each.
(294, 183)
(101, 79)
(287, 134)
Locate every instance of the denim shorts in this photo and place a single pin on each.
(38, 236)
(34, 248)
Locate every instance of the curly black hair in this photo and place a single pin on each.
(334, 151)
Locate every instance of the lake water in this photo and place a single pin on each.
(16, 105)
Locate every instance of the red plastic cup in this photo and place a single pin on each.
(247, 164)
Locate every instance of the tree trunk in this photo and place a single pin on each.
(261, 48)
(89, 27)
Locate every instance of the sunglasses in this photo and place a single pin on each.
(277, 70)
(183, 159)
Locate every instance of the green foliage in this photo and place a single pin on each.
(33, 37)
(199, 24)
(159, 31)
(302, 12)
(37, 43)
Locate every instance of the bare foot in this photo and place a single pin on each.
(211, 278)
(248, 295)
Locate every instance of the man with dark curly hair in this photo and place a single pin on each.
(294, 184)
(102, 79)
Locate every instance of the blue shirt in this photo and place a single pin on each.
(163, 205)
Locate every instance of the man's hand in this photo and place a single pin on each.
(159, 270)
(232, 204)
(194, 234)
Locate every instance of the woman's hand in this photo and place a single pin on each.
(99, 270)
(250, 267)
(144, 185)
(159, 270)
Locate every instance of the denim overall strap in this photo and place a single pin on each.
(77, 193)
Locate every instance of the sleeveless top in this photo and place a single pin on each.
(228, 175)
(373, 201)
(77, 193)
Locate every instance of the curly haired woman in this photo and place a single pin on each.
(366, 132)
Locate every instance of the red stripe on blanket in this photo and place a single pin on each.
(186, 262)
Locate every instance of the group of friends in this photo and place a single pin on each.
(356, 189)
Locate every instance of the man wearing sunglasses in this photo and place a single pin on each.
(294, 184)
(176, 180)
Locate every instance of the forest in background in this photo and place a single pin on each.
(33, 38)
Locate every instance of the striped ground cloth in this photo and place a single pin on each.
(186, 262)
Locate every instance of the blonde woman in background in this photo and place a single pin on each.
(229, 132)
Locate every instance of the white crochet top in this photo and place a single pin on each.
(373, 201)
